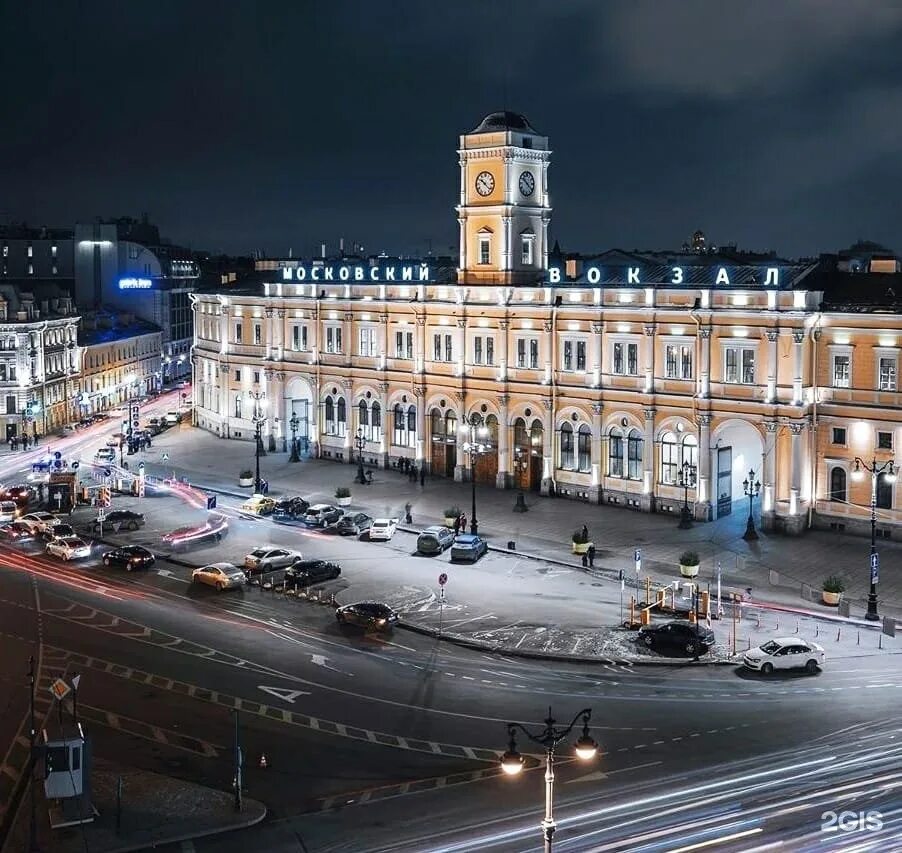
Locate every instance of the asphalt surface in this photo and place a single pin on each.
(391, 743)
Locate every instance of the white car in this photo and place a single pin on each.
(105, 454)
(786, 653)
(267, 559)
(70, 548)
(8, 511)
(39, 522)
(382, 529)
(220, 575)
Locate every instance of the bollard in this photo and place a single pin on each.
(817, 630)
(880, 641)
(749, 644)
(838, 632)
(859, 639)
(778, 624)
(758, 614)
(797, 626)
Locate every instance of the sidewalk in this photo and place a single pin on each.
(775, 567)
(156, 810)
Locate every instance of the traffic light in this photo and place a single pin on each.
(104, 498)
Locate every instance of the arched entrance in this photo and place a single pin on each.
(443, 456)
(487, 462)
(299, 404)
(738, 448)
(527, 461)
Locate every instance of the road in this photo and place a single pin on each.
(391, 743)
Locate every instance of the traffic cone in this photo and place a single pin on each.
(263, 763)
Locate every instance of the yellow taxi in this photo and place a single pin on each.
(258, 505)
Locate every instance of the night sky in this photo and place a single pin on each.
(268, 126)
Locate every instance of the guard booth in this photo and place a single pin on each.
(67, 776)
(61, 491)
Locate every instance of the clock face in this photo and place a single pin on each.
(527, 183)
(485, 183)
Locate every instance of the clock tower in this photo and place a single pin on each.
(504, 208)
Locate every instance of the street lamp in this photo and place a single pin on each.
(259, 418)
(294, 422)
(474, 448)
(360, 443)
(550, 737)
(750, 488)
(686, 476)
(875, 469)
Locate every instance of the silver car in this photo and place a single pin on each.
(267, 559)
(220, 575)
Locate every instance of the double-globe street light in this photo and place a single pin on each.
(360, 443)
(259, 418)
(751, 488)
(686, 476)
(550, 738)
(477, 445)
(293, 424)
(875, 469)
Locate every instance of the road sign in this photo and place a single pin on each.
(107, 472)
(442, 579)
(875, 568)
(211, 501)
(60, 689)
(165, 457)
(57, 455)
(637, 556)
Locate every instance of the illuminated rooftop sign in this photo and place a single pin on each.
(356, 273)
(666, 274)
(135, 283)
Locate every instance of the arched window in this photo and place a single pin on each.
(411, 424)
(615, 452)
(363, 419)
(329, 415)
(584, 449)
(376, 422)
(398, 423)
(884, 492)
(451, 428)
(670, 462)
(634, 455)
(690, 451)
(566, 453)
(838, 484)
(437, 425)
(238, 405)
(342, 416)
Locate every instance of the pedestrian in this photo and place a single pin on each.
(25, 441)
(413, 473)
(590, 553)
(369, 478)
(407, 516)
(13, 443)
(422, 476)
(457, 525)
(463, 522)
(585, 533)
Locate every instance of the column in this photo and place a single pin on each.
(649, 358)
(795, 466)
(647, 500)
(385, 442)
(798, 339)
(704, 370)
(769, 492)
(503, 327)
(385, 347)
(597, 329)
(506, 243)
(461, 345)
(350, 345)
(703, 491)
(420, 447)
(503, 478)
(596, 490)
(548, 348)
(463, 435)
(222, 405)
(348, 439)
(419, 345)
(279, 428)
(268, 334)
(772, 364)
(313, 414)
(547, 487)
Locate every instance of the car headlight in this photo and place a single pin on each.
(380, 621)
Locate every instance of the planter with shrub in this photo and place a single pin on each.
(833, 588)
(452, 513)
(580, 541)
(689, 563)
(343, 496)
(246, 478)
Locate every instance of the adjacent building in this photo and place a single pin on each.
(636, 379)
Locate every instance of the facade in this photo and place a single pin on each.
(39, 358)
(633, 379)
(29, 255)
(120, 359)
(126, 265)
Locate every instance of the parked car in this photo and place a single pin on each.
(677, 636)
(172, 418)
(269, 558)
(20, 494)
(119, 519)
(59, 530)
(352, 524)
(319, 515)
(129, 557)
(116, 440)
(786, 653)
(258, 505)
(212, 530)
(434, 540)
(155, 426)
(105, 454)
(220, 575)
(67, 429)
(8, 511)
(370, 615)
(39, 522)
(382, 529)
(468, 546)
(309, 572)
(70, 548)
(16, 531)
(291, 507)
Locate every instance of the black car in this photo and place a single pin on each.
(353, 524)
(679, 636)
(290, 508)
(58, 530)
(309, 572)
(120, 519)
(130, 557)
(16, 532)
(20, 495)
(370, 615)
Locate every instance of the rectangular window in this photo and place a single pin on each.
(436, 347)
(526, 244)
(887, 373)
(298, 338)
(485, 249)
(11, 405)
(333, 339)
(884, 440)
(521, 352)
(626, 359)
(580, 355)
(841, 371)
(258, 333)
(367, 341)
(477, 351)
(256, 377)
(237, 375)
(404, 344)
(632, 359)
(449, 348)
(670, 361)
(489, 351)
(568, 355)
(839, 435)
(237, 333)
(533, 353)
(739, 365)
(686, 361)
(748, 366)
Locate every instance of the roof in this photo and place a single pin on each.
(858, 292)
(504, 120)
(116, 332)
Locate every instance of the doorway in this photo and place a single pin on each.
(724, 481)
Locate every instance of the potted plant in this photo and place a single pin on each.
(833, 588)
(246, 478)
(689, 563)
(343, 496)
(452, 513)
(581, 541)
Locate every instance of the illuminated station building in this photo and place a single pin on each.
(617, 378)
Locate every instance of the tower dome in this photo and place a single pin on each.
(504, 120)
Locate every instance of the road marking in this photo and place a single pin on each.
(320, 660)
(283, 693)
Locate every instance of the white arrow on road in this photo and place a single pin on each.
(320, 660)
(589, 777)
(283, 694)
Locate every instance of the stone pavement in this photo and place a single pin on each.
(776, 568)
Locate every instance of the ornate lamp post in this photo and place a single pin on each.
(550, 737)
(750, 487)
(875, 469)
(259, 418)
(360, 444)
(474, 447)
(294, 423)
(686, 476)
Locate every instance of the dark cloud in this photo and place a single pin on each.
(272, 125)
